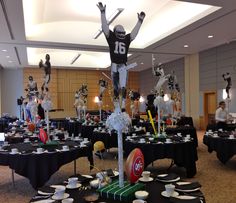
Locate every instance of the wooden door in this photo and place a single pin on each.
(210, 105)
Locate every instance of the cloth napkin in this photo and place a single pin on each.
(177, 200)
(170, 176)
(190, 186)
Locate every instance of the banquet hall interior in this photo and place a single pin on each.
(61, 120)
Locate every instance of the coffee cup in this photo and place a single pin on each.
(134, 134)
(72, 182)
(142, 140)
(210, 131)
(59, 192)
(168, 140)
(170, 188)
(146, 175)
(151, 138)
(188, 136)
(231, 136)
(39, 150)
(86, 139)
(14, 150)
(179, 134)
(65, 147)
(220, 130)
(26, 140)
(148, 133)
(5, 143)
(139, 201)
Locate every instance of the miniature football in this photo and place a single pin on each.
(134, 165)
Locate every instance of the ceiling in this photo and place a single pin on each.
(65, 29)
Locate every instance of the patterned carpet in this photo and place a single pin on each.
(218, 180)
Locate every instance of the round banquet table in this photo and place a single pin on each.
(154, 189)
(38, 168)
(182, 153)
(224, 147)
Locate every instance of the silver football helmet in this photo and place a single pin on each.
(119, 31)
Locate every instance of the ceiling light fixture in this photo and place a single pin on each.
(109, 21)
(10, 61)
(4, 50)
(142, 63)
(75, 59)
(210, 36)
(186, 46)
(7, 56)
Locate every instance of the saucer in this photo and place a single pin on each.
(175, 194)
(88, 176)
(14, 153)
(169, 142)
(65, 150)
(187, 197)
(66, 195)
(142, 179)
(38, 152)
(70, 187)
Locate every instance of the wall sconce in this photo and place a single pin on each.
(141, 99)
(96, 99)
(224, 94)
(166, 97)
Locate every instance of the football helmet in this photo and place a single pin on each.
(119, 31)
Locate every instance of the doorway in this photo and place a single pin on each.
(210, 104)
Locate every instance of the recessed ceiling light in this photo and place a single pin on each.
(10, 61)
(7, 56)
(142, 63)
(186, 46)
(4, 50)
(210, 36)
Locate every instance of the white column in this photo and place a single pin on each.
(191, 73)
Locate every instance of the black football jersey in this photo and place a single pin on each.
(118, 48)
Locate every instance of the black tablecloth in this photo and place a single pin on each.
(184, 130)
(39, 167)
(154, 189)
(213, 127)
(185, 121)
(183, 153)
(225, 148)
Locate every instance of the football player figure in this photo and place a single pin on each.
(159, 72)
(227, 78)
(32, 87)
(103, 84)
(47, 70)
(119, 42)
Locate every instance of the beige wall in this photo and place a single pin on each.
(65, 82)
(191, 67)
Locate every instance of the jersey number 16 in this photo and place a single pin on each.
(119, 48)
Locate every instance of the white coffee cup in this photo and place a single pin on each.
(210, 131)
(151, 138)
(188, 136)
(134, 134)
(168, 140)
(220, 130)
(5, 143)
(139, 201)
(179, 134)
(72, 182)
(59, 192)
(146, 175)
(148, 133)
(39, 150)
(142, 140)
(65, 147)
(86, 139)
(14, 150)
(26, 140)
(170, 188)
(231, 136)
(68, 200)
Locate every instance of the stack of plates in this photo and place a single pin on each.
(168, 178)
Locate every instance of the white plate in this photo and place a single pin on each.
(77, 186)
(13, 153)
(186, 197)
(45, 193)
(45, 201)
(193, 190)
(65, 150)
(169, 181)
(66, 195)
(88, 176)
(175, 194)
(145, 180)
(168, 142)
